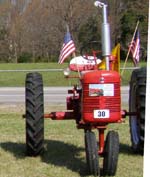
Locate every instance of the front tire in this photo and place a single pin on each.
(111, 152)
(92, 157)
(34, 114)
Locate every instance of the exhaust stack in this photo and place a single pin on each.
(105, 33)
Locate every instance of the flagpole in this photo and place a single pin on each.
(73, 54)
(129, 48)
(67, 27)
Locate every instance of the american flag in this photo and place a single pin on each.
(135, 47)
(67, 49)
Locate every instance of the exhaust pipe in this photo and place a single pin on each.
(105, 33)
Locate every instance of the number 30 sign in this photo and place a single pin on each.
(101, 114)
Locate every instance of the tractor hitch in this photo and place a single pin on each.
(125, 113)
(60, 115)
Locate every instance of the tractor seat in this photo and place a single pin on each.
(84, 63)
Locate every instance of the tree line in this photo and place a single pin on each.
(33, 30)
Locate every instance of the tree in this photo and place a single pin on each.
(37, 27)
(136, 10)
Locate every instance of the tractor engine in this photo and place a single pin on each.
(101, 102)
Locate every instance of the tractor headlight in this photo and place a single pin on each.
(66, 72)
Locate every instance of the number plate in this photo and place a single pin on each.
(101, 114)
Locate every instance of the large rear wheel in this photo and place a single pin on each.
(137, 97)
(34, 114)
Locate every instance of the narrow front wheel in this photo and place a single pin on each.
(111, 152)
(92, 153)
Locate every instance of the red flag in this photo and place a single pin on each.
(67, 49)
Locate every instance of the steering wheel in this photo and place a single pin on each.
(91, 51)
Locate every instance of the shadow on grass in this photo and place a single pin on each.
(60, 154)
(126, 149)
(56, 153)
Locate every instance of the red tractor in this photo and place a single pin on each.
(94, 104)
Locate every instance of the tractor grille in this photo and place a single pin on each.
(91, 103)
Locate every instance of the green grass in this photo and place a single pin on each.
(64, 154)
(49, 78)
(125, 78)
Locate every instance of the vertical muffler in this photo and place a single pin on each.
(105, 33)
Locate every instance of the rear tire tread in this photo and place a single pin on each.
(138, 80)
(34, 114)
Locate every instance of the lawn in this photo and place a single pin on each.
(18, 78)
(50, 78)
(64, 154)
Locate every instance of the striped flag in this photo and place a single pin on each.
(135, 47)
(67, 49)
